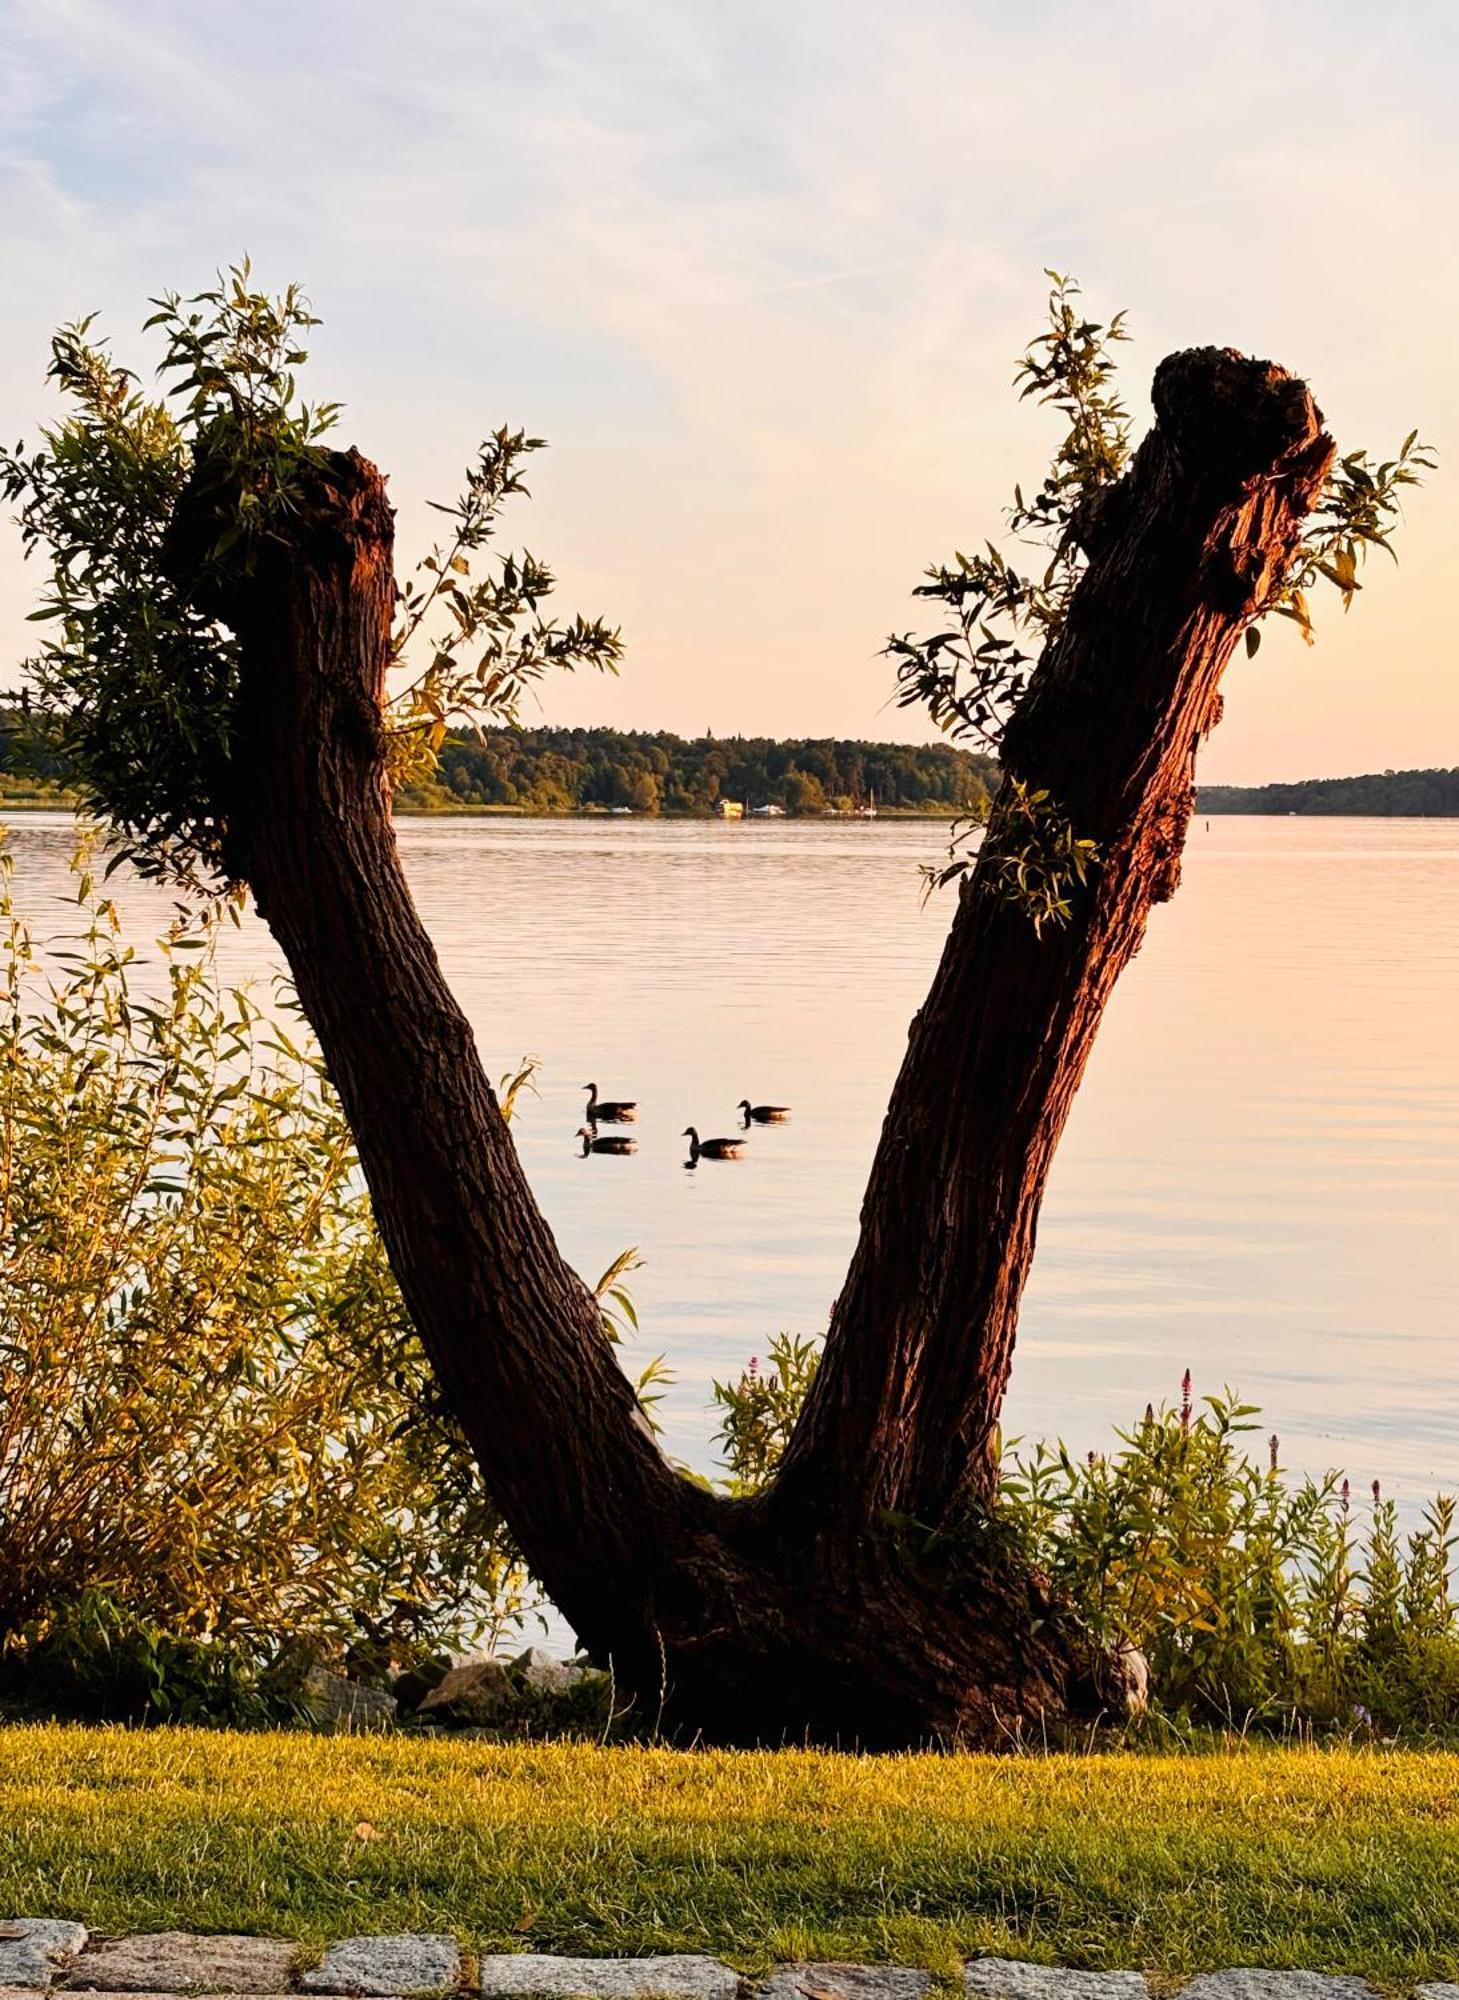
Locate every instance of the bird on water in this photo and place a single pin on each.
(611, 1142)
(603, 1112)
(711, 1149)
(763, 1114)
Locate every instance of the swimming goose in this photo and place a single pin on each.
(601, 1112)
(712, 1149)
(763, 1114)
(612, 1142)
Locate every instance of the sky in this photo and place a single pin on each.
(760, 273)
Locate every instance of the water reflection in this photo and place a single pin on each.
(1260, 1180)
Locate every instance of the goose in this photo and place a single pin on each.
(763, 1114)
(612, 1142)
(601, 1112)
(712, 1149)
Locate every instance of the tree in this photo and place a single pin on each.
(227, 617)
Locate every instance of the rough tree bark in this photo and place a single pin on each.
(819, 1609)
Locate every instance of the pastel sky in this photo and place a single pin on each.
(760, 271)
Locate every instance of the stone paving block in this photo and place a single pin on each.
(183, 1962)
(676, 1976)
(1012, 1979)
(1247, 1982)
(34, 1951)
(831, 1981)
(424, 1962)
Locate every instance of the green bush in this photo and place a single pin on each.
(1258, 1599)
(220, 1461)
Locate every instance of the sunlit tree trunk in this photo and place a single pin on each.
(823, 1608)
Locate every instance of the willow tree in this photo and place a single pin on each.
(240, 678)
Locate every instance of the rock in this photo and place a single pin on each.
(1129, 1680)
(348, 1708)
(411, 1688)
(845, 1982)
(1013, 1979)
(480, 1692)
(426, 1962)
(673, 1977)
(181, 1962)
(1437, 1990)
(36, 1950)
(1246, 1982)
(543, 1674)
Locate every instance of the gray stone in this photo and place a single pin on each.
(1013, 1979)
(1438, 1990)
(544, 1675)
(480, 1692)
(36, 1950)
(1129, 1680)
(845, 1982)
(1245, 1982)
(426, 1962)
(676, 1976)
(182, 1962)
(344, 1708)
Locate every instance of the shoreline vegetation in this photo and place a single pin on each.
(591, 773)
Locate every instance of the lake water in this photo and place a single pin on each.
(1260, 1179)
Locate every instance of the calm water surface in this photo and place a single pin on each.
(1260, 1179)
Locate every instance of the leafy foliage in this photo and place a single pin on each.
(216, 1427)
(144, 684)
(494, 641)
(1358, 513)
(973, 671)
(760, 1410)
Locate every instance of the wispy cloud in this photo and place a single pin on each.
(760, 272)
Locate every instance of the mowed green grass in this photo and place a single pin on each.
(1336, 1860)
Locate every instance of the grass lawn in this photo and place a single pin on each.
(1337, 1860)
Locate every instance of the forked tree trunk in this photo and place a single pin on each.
(826, 1608)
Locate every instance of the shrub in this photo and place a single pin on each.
(219, 1456)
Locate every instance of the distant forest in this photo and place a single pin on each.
(586, 770)
(598, 770)
(1381, 794)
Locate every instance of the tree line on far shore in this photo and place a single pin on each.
(581, 770)
(586, 770)
(1378, 794)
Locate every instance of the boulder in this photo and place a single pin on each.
(480, 1693)
(543, 1674)
(411, 1688)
